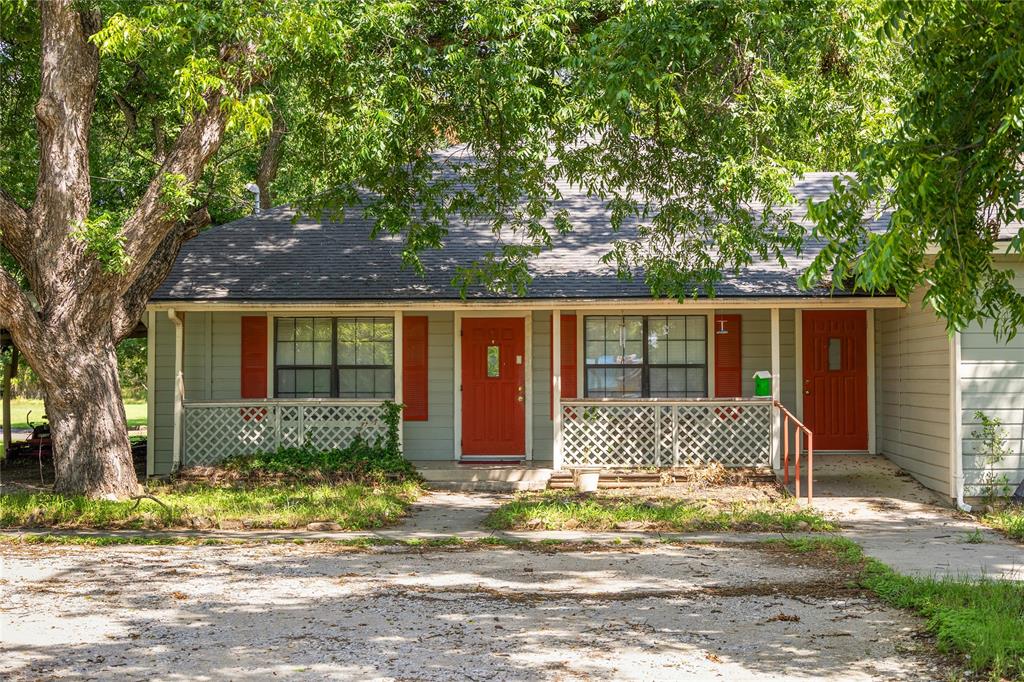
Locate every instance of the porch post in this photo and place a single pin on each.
(556, 388)
(399, 387)
(776, 388)
(179, 388)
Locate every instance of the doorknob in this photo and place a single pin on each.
(519, 398)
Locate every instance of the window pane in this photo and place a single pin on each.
(676, 352)
(383, 353)
(346, 353)
(304, 382)
(695, 352)
(384, 383)
(493, 361)
(364, 330)
(322, 353)
(595, 352)
(657, 348)
(696, 382)
(696, 327)
(384, 330)
(634, 328)
(346, 383)
(286, 382)
(634, 353)
(286, 329)
(364, 383)
(322, 329)
(322, 382)
(304, 329)
(346, 329)
(677, 327)
(303, 353)
(285, 353)
(835, 354)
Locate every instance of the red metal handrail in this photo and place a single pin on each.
(798, 429)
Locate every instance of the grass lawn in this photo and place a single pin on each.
(353, 506)
(135, 411)
(1009, 520)
(568, 511)
(981, 621)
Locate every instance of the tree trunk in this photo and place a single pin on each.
(87, 421)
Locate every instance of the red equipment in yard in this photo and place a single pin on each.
(38, 444)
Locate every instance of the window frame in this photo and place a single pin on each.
(334, 367)
(645, 364)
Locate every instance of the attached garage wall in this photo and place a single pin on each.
(913, 358)
(992, 381)
(432, 439)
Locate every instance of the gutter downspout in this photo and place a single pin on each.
(956, 423)
(179, 387)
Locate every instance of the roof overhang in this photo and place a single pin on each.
(794, 302)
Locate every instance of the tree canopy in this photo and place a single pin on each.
(951, 172)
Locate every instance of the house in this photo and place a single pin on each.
(271, 331)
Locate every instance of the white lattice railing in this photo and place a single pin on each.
(215, 430)
(664, 433)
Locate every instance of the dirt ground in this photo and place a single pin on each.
(28, 473)
(324, 612)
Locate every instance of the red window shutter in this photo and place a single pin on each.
(254, 357)
(414, 368)
(568, 359)
(728, 356)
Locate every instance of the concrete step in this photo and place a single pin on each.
(494, 477)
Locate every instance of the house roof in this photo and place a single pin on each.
(271, 257)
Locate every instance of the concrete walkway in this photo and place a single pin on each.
(903, 524)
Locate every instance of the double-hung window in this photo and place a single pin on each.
(646, 356)
(334, 357)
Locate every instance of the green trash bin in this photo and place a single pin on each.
(763, 384)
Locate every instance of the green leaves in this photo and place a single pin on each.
(949, 173)
(102, 237)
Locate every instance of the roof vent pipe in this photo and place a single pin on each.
(255, 189)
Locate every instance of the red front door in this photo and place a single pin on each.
(836, 378)
(494, 386)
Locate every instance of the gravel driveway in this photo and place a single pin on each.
(319, 611)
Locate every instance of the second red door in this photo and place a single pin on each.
(836, 378)
(494, 386)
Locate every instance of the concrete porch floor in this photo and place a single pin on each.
(905, 525)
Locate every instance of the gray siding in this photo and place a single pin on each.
(162, 393)
(756, 330)
(433, 439)
(913, 392)
(992, 381)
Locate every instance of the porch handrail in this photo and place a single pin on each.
(799, 429)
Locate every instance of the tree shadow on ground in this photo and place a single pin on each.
(231, 612)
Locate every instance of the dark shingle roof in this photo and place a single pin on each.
(271, 258)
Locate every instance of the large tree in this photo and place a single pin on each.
(951, 172)
(126, 125)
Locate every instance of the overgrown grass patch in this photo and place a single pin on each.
(979, 620)
(568, 511)
(353, 506)
(1009, 520)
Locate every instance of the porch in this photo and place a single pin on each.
(651, 387)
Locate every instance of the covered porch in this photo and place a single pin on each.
(649, 385)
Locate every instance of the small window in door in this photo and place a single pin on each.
(493, 361)
(835, 354)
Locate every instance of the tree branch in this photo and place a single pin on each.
(133, 302)
(270, 161)
(16, 312)
(15, 226)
